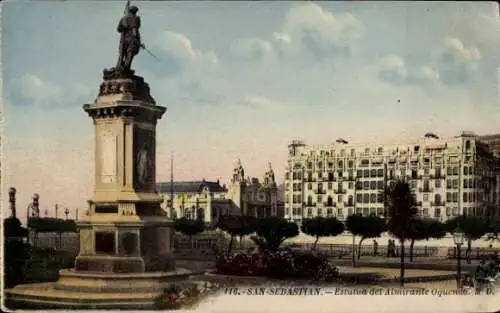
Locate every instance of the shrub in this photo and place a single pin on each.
(12, 228)
(272, 232)
(278, 264)
(184, 296)
(15, 255)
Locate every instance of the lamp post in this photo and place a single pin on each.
(458, 239)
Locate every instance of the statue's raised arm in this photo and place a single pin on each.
(130, 39)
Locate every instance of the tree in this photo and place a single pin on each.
(493, 233)
(322, 227)
(189, 227)
(12, 228)
(273, 231)
(365, 227)
(473, 227)
(424, 229)
(236, 225)
(400, 209)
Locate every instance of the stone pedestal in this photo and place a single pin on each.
(125, 230)
(125, 257)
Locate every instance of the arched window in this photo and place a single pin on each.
(309, 200)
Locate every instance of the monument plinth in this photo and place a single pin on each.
(125, 231)
(125, 258)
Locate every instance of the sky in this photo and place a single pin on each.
(240, 80)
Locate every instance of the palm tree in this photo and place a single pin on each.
(400, 209)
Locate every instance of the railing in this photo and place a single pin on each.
(475, 253)
(203, 248)
(63, 242)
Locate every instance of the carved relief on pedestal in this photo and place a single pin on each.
(144, 159)
(131, 86)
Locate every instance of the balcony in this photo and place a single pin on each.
(348, 204)
(437, 176)
(320, 191)
(340, 191)
(310, 204)
(439, 203)
(425, 189)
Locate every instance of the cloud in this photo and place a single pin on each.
(394, 70)
(283, 37)
(176, 53)
(181, 47)
(252, 48)
(259, 101)
(31, 89)
(456, 62)
(320, 32)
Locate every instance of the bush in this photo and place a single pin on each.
(15, 255)
(25, 264)
(12, 228)
(279, 264)
(272, 232)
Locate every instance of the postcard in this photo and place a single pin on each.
(250, 156)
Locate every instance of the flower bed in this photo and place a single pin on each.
(185, 295)
(280, 264)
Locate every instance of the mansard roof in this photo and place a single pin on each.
(189, 187)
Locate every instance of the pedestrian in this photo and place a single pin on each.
(375, 247)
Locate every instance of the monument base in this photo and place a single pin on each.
(95, 290)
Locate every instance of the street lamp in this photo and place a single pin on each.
(458, 239)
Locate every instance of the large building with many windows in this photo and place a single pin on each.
(449, 177)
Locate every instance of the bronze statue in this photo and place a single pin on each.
(130, 40)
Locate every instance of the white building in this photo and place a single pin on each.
(194, 199)
(449, 177)
(209, 200)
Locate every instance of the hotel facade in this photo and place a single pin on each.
(449, 177)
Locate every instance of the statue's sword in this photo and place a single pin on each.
(150, 53)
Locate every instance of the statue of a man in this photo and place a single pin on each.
(130, 40)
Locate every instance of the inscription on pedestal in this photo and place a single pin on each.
(107, 154)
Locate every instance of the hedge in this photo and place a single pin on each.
(51, 225)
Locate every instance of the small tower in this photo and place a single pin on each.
(269, 178)
(238, 173)
(237, 188)
(294, 146)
